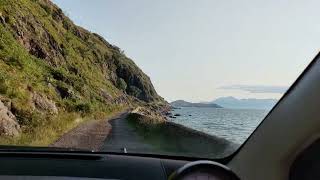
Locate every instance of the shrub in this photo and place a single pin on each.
(134, 91)
(121, 84)
(58, 73)
(83, 107)
(64, 90)
(74, 80)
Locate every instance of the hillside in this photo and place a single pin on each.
(251, 103)
(182, 103)
(55, 75)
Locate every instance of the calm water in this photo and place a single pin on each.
(233, 124)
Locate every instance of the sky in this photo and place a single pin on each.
(205, 49)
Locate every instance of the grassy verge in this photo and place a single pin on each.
(54, 127)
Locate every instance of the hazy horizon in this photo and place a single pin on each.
(209, 49)
(210, 101)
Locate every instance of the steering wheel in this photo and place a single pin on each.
(204, 170)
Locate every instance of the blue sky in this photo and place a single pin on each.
(193, 50)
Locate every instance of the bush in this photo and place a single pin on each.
(83, 107)
(74, 105)
(134, 91)
(63, 90)
(58, 73)
(121, 84)
(61, 74)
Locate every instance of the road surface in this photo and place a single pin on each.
(87, 136)
(123, 137)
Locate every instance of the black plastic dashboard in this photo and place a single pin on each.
(86, 165)
(74, 165)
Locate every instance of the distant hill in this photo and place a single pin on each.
(251, 103)
(182, 103)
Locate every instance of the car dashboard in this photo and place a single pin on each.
(44, 165)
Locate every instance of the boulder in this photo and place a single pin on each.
(123, 99)
(8, 122)
(177, 114)
(106, 96)
(7, 102)
(147, 116)
(41, 102)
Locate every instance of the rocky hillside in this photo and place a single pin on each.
(53, 72)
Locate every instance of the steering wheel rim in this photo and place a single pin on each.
(200, 165)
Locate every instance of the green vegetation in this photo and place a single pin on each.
(50, 129)
(43, 52)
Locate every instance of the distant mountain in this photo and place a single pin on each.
(251, 103)
(182, 103)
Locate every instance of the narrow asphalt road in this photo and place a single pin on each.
(87, 136)
(123, 137)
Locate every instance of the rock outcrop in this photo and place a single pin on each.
(47, 34)
(147, 116)
(41, 102)
(8, 122)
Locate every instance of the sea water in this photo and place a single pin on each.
(235, 125)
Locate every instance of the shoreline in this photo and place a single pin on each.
(167, 138)
(197, 132)
(176, 139)
(228, 147)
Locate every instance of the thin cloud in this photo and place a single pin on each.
(257, 88)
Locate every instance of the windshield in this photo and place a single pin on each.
(179, 78)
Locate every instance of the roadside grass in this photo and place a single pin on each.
(54, 127)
